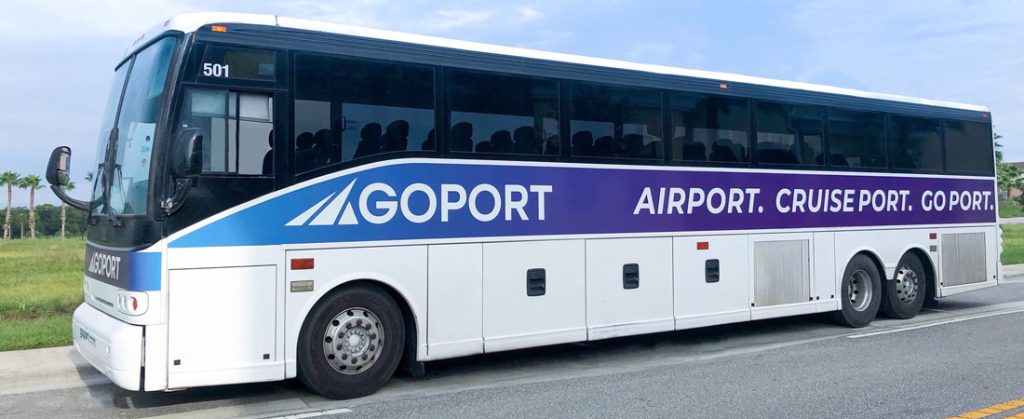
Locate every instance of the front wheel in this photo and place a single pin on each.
(860, 293)
(905, 294)
(351, 343)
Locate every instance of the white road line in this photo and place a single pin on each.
(938, 323)
(315, 414)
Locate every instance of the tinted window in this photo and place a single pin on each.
(915, 143)
(502, 114)
(856, 139)
(615, 122)
(237, 130)
(789, 134)
(968, 147)
(709, 128)
(347, 109)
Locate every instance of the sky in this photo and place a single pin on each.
(58, 56)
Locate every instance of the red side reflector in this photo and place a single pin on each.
(932, 236)
(135, 304)
(299, 264)
(703, 246)
(217, 28)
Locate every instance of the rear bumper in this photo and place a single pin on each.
(114, 347)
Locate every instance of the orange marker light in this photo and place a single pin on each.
(300, 264)
(218, 28)
(723, 86)
(703, 246)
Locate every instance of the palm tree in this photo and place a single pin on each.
(64, 209)
(32, 183)
(9, 179)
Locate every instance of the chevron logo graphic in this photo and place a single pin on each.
(329, 215)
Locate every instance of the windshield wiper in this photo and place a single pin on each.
(108, 177)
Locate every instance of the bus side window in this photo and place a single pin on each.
(348, 108)
(709, 128)
(968, 147)
(236, 129)
(622, 122)
(504, 114)
(915, 144)
(789, 134)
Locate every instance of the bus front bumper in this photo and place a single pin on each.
(114, 347)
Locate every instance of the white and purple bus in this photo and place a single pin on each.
(280, 198)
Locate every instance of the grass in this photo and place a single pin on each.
(40, 286)
(1007, 210)
(1013, 244)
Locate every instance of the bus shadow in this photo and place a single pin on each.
(108, 395)
(700, 341)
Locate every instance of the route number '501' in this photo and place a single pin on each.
(216, 70)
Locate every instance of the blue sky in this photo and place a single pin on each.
(58, 56)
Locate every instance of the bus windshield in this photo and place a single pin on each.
(122, 179)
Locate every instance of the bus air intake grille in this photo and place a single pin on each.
(963, 259)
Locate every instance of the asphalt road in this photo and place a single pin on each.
(963, 355)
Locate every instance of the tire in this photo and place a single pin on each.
(905, 294)
(351, 343)
(860, 293)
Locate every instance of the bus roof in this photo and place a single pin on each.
(191, 22)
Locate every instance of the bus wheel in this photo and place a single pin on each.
(860, 293)
(351, 343)
(905, 294)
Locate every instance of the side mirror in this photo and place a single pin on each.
(188, 155)
(58, 175)
(59, 167)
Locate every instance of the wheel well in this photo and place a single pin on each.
(931, 289)
(877, 262)
(408, 363)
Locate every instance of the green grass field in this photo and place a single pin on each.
(40, 286)
(1010, 211)
(1013, 244)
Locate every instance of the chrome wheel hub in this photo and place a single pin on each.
(859, 290)
(907, 285)
(353, 340)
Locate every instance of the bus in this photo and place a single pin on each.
(278, 198)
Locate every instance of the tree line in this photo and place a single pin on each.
(46, 220)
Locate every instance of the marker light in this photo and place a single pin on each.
(932, 236)
(218, 28)
(703, 246)
(299, 264)
(723, 86)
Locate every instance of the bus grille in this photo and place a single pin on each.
(963, 258)
(782, 272)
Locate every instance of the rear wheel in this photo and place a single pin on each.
(905, 294)
(860, 293)
(351, 343)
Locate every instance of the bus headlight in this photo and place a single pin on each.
(132, 303)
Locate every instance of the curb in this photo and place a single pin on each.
(30, 370)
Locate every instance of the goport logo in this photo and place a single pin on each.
(379, 203)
